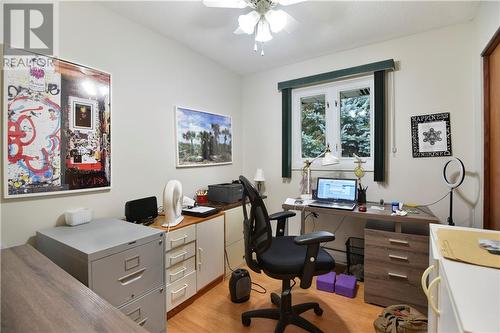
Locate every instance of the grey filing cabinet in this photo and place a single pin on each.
(122, 262)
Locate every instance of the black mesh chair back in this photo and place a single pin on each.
(257, 227)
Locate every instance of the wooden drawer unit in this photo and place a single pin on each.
(121, 277)
(179, 254)
(180, 270)
(181, 290)
(147, 311)
(394, 263)
(180, 237)
(397, 240)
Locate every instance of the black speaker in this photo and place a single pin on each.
(141, 210)
(240, 286)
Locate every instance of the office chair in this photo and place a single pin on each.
(284, 258)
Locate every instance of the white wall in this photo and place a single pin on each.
(150, 74)
(436, 74)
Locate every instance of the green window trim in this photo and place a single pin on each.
(378, 69)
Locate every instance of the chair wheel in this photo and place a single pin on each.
(318, 311)
(246, 321)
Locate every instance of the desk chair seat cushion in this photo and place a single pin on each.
(286, 258)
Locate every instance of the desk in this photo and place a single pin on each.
(396, 252)
(38, 296)
(424, 216)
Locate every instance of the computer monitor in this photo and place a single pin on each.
(336, 189)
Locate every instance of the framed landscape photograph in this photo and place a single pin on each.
(431, 135)
(57, 126)
(202, 138)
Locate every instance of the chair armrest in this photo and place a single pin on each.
(282, 215)
(314, 237)
(312, 240)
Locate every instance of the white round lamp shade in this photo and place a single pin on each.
(259, 176)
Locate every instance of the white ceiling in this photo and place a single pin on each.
(323, 27)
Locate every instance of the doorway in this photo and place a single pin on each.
(491, 77)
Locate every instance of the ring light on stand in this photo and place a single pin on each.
(453, 186)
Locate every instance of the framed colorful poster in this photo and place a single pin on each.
(431, 135)
(202, 138)
(57, 125)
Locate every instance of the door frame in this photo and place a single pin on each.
(488, 50)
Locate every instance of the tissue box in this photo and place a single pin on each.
(326, 282)
(346, 285)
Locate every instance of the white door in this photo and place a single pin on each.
(210, 251)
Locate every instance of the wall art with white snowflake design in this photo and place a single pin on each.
(431, 135)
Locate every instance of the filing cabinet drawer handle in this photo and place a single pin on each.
(180, 289)
(183, 253)
(399, 276)
(128, 279)
(182, 270)
(178, 239)
(393, 256)
(398, 241)
(142, 322)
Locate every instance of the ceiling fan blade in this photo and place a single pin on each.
(289, 2)
(225, 3)
(238, 31)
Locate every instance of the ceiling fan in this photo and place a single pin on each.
(261, 21)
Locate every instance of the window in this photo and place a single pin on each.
(339, 114)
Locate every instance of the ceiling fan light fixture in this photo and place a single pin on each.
(277, 19)
(248, 21)
(263, 32)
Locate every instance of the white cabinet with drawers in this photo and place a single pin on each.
(194, 258)
(462, 297)
(122, 262)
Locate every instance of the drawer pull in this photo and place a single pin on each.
(398, 241)
(128, 279)
(399, 276)
(183, 253)
(182, 270)
(430, 297)
(393, 256)
(142, 322)
(423, 280)
(178, 239)
(179, 290)
(200, 251)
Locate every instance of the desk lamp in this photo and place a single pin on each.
(259, 180)
(328, 159)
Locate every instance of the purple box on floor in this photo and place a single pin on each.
(326, 282)
(345, 285)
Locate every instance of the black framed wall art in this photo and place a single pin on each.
(431, 135)
(57, 125)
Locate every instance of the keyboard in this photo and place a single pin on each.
(334, 205)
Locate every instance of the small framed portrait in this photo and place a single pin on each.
(82, 115)
(431, 135)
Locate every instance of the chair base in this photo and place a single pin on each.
(286, 313)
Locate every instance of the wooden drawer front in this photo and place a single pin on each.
(148, 311)
(179, 254)
(181, 290)
(396, 256)
(180, 270)
(234, 225)
(387, 284)
(121, 277)
(235, 255)
(180, 237)
(396, 240)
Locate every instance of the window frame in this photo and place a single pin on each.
(332, 92)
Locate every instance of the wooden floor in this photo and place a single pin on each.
(214, 311)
